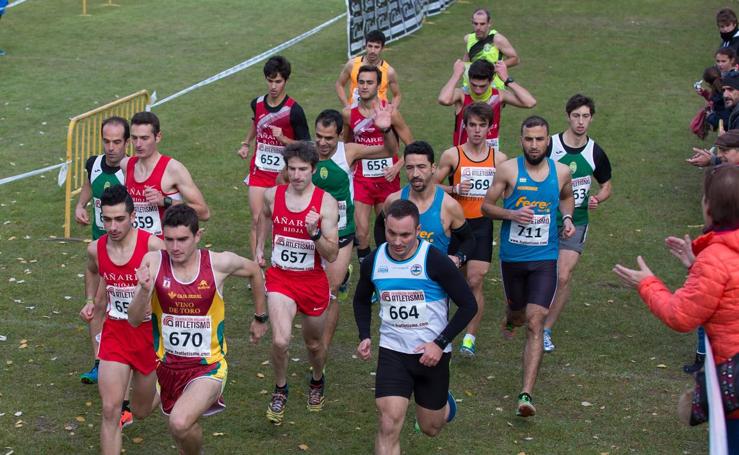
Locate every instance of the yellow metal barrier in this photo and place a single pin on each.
(84, 6)
(84, 141)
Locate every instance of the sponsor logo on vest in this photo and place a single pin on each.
(171, 321)
(523, 201)
(522, 180)
(382, 269)
(324, 173)
(110, 276)
(573, 167)
(166, 283)
(203, 285)
(284, 220)
(416, 269)
(402, 296)
(106, 185)
(581, 181)
(427, 235)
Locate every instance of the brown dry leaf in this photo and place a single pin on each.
(586, 403)
(18, 424)
(266, 362)
(68, 427)
(137, 440)
(79, 419)
(260, 375)
(468, 393)
(303, 447)
(24, 341)
(88, 403)
(23, 346)
(263, 392)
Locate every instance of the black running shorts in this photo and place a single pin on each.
(483, 230)
(400, 375)
(529, 282)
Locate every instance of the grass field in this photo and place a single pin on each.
(637, 59)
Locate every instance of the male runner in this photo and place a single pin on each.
(374, 179)
(414, 282)
(334, 175)
(182, 288)
(123, 349)
(157, 181)
(374, 44)
(103, 171)
(481, 76)
(278, 120)
(471, 170)
(487, 44)
(587, 161)
(533, 188)
(304, 220)
(440, 216)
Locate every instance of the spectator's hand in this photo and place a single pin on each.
(700, 158)
(633, 277)
(682, 249)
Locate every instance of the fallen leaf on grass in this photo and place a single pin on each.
(260, 375)
(18, 414)
(80, 419)
(137, 440)
(661, 365)
(218, 434)
(266, 362)
(303, 447)
(18, 424)
(88, 403)
(586, 403)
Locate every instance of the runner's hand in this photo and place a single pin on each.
(243, 151)
(524, 215)
(311, 221)
(391, 172)
(154, 196)
(633, 277)
(569, 229)
(257, 330)
(501, 70)
(277, 133)
(464, 187)
(383, 115)
(81, 216)
(87, 312)
(593, 203)
(364, 350)
(431, 354)
(259, 258)
(459, 68)
(144, 277)
(681, 249)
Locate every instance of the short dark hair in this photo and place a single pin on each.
(375, 36)
(115, 120)
(117, 194)
(727, 51)
(401, 208)
(577, 101)
(181, 215)
(480, 110)
(277, 65)
(371, 69)
(303, 150)
(330, 117)
(481, 69)
(484, 11)
(533, 121)
(420, 148)
(725, 16)
(721, 194)
(146, 118)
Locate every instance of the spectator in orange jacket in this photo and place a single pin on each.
(710, 294)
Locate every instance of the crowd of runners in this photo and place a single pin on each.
(154, 297)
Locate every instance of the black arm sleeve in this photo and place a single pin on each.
(602, 171)
(380, 229)
(465, 238)
(363, 297)
(88, 166)
(253, 105)
(299, 123)
(442, 270)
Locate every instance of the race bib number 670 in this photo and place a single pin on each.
(187, 336)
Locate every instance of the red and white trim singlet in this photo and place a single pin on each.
(292, 248)
(365, 132)
(460, 133)
(267, 157)
(120, 280)
(148, 215)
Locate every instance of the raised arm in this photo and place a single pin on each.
(515, 95)
(383, 120)
(392, 82)
(140, 306)
(449, 93)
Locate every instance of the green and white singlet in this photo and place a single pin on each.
(336, 177)
(101, 176)
(582, 168)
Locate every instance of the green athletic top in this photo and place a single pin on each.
(101, 176)
(487, 52)
(585, 162)
(335, 177)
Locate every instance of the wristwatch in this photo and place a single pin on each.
(508, 81)
(168, 201)
(261, 318)
(316, 236)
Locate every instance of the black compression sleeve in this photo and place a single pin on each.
(466, 238)
(602, 172)
(88, 166)
(363, 297)
(299, 123)
(380, 229)
(442, 270)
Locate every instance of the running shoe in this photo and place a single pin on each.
(90, 377)
(548, 344)
(508, 330)
(276, 408)
(467, 349)
(315, 395)
(344, 287)
(525, 405)
(126, 418)
(2, 52)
